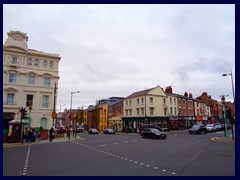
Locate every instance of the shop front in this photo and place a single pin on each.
(134, 123)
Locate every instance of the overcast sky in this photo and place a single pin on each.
(115, 50)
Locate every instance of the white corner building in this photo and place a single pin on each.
(29, 77)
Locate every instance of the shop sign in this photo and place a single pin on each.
(199, 118)
(205, 118)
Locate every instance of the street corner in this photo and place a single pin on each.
(78, 138)
(222, 139)
(10, 145)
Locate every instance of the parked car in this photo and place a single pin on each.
(211, 127)
(108, 131)
(219, 127)
(80, 129)
(153, 133)
(197, 129)
(61, 130)
(92, 131)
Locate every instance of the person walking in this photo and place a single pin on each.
(51, 134)
(33, 136)
(68, 133)
(29, 135)
(38, 137)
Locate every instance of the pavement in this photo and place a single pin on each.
(79, 138)
(56, 140)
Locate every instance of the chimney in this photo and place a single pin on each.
(190, 95)
(168, 89)
(186, 94)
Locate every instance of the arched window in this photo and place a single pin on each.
(36, 62)
(50, 64)
(43, 123)
(30, 62)
(45, 64)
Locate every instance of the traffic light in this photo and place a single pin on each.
(24, 113)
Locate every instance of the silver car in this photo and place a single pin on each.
(211, 127)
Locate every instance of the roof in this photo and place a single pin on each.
(140, 93)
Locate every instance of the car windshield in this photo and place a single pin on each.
(196, 126)
(155, 130)
(209, 125)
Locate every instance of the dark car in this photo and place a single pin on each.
(154, 127)
(92, 131)
(108, 131)
(153, 133)
(197, 129)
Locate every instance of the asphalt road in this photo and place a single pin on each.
(180, 154)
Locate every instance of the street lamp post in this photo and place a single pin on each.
(71, 112)
(232, 85)
(233, 99)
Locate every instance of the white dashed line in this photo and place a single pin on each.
(114, 143)
(123, 158)
(134, 140)
(26, 161)
(102, 145)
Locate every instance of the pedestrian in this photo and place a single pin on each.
(29, 135)
(51, 134)
(38, 137)
(68, 133)
(33, 137)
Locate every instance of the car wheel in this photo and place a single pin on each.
(190, 132)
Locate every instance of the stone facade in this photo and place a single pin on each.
(29, 76)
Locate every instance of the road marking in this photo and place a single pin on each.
(196, 156)
(102, 145)
(125, 142)
(114, 143)
(134, 140)
(26, 161)
(136, 162)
